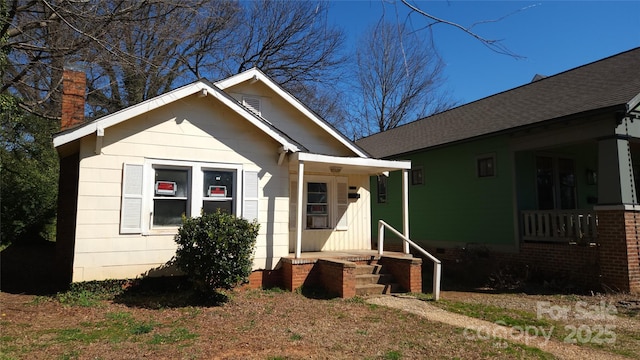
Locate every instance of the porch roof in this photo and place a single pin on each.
(347, 165)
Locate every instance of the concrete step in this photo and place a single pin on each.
(368, 269)
(374, 279)
(377, 289)
(371, 289)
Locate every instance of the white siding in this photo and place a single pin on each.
(286, 118)
(193, 129)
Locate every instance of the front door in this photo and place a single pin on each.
(556, 183)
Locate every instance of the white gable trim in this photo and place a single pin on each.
(198, 87)
(255, 75)
(379, 165)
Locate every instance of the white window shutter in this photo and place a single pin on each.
(342, 201)
(293, 203)
(131, 210)
(250, 198)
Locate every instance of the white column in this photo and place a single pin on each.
(405, 208)
(299, 209)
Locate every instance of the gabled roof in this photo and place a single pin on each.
(612, 83)
(201, 87)
(255, 74)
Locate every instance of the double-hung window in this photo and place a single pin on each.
(158, 194)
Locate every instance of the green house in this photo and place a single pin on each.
(543, 175)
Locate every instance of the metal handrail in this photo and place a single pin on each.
(437, 264)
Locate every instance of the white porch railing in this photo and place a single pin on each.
(437, 265)
(560, 225)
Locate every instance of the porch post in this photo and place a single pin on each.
(299, 209)
(405, 208)
(615, 174)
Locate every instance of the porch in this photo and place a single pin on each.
(566, 226)
(348, 273)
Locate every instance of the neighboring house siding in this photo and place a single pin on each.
(190, 130)
(454, 207)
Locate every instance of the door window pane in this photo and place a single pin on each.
(382, 189)
(567, 183)
(544, 177)
(317, 206)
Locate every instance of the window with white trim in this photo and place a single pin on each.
(159, 193)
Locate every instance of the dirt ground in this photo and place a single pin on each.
(38, 324)
(255, 324)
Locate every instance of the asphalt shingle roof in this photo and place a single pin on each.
(612, 81)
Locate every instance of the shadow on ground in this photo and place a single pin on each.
(29, 268)
(165, 292)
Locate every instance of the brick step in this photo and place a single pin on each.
(376, 289)
(368, 269)
(374, 279)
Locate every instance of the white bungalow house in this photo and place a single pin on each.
(243, 144)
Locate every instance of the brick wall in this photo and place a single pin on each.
(620, 249)
(633, 249)
(612, 265)
(260, 279)
(73, 92)
(338, 277)
(296, 273)
(406, 271)
(565, 265)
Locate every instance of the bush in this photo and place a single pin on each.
(216, 250)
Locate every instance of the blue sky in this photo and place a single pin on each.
(551, 36)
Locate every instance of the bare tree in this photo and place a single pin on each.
(398, 78)
(133, 50)
(495, 45)
(290, 41)
(156, 49)
(40, 35)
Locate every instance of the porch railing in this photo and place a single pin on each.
(579, 226)
(437, 265)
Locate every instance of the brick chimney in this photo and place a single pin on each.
(73, 90)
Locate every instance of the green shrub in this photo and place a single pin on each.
(216, 250)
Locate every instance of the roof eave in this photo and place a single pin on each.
(198, 87)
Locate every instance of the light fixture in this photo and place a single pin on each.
(335, 169)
